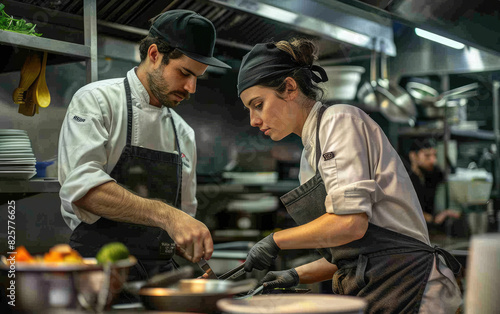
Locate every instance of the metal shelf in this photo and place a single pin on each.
(44, 44)
(454, 133)
(15, 46)
(37, 185)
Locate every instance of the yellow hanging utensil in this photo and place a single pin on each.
(42, 94)
(29, 73)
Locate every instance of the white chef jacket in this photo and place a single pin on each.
(364, 173)
(94, 133)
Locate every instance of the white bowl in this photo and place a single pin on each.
(342, 82)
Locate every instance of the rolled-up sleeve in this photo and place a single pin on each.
(82, 155)
(347, 164)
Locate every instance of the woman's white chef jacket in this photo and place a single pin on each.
(94, 134)
(367, 175)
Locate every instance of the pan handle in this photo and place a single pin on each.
(373, 63)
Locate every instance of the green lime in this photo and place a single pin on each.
(112, 252)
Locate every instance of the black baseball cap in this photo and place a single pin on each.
(190, 33)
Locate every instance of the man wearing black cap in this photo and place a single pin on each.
(127, 161)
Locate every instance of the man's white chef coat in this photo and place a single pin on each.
(94, 133)
(364, 173)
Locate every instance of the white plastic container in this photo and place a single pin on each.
(342, 82)
(483, 275)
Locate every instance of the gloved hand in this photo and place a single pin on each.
(262, 254)
(280, 279)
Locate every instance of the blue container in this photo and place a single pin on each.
(41, 167)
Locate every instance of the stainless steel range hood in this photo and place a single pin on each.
(329, 20)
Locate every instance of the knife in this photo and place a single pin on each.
(207, 269)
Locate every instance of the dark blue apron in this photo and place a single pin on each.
(151, 174)
(388, 269)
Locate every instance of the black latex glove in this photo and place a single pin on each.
(262, 254)
(280, 279)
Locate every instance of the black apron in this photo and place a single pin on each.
(148, 173)
(388, 269)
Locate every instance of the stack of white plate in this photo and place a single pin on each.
(17, 161)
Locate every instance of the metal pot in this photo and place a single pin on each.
(193, 295)
(66, 286)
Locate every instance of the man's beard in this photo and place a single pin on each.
(160, 89)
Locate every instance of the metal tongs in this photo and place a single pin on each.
(234, 273)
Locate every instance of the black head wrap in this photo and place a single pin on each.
(266, 62)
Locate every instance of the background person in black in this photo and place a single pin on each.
(426, 175)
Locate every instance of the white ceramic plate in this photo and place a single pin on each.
(18, 162)
(15, 140)
(17, 155)
(30, 160)
(12, 131)
(17, 175)
(292, 303)
(17, 168)
(21, 150)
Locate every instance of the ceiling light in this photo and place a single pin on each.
(439, 39)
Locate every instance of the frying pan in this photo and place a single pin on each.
(366, 93)
(395, 103)
(193, 295)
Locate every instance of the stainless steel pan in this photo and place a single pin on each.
(366, 93)
(395, 103)
(193, 295)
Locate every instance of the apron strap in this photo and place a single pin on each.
(179, 169)
(318, 146)
(449, 259)
(129, 112)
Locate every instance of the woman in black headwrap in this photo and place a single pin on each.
(356, 203)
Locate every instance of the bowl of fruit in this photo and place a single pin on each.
(61, 278)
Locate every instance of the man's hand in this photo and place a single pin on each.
(441, 217)
(280, 279)
(191, 236)
(262, 254)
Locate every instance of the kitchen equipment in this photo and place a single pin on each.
(42, 95)
(395, 103)
(159, 280)
(428, 96)
(234, 273)
(29, 72)
(342, 82)
(207, 269)
(66, 286)
(29, 106)
(366, 93)
(470, 186)
(252, 293)
(483, 275)
(292, 303)
(193, 295)
(433, 104)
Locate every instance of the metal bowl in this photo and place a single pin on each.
(68, 286)
(193, 295)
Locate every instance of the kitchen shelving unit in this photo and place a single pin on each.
(14, 47)
(15, 44)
